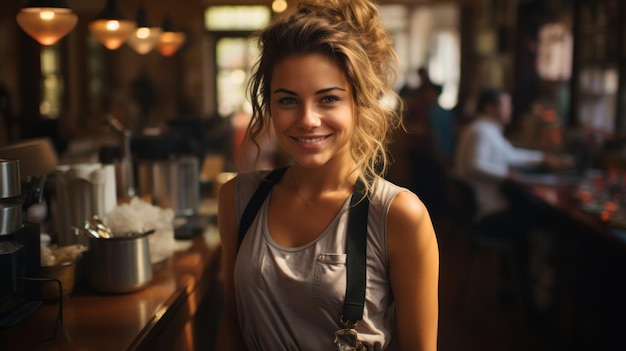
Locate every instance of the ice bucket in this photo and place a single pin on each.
(120, 264)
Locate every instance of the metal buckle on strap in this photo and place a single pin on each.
(346, 323)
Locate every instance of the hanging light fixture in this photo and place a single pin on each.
(46, 21)
(279, 6)
(145, 36)
(170, 40)
(111, 26)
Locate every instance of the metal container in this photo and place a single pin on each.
(9, 178)
(10, 217)
(173, 183)
(119, 264)
(65, 273)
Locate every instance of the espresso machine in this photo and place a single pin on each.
(24, 167)
(20, 255)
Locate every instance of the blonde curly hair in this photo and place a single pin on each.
(351, 33)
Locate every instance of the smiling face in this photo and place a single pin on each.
(312, 109)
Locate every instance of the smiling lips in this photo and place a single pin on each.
(312, 140)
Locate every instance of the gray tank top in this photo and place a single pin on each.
(292, 298)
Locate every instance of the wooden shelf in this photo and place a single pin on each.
(600, 43)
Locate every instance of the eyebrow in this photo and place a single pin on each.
(321, 91)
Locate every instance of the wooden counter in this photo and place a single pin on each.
(178, 310)
(576, 269)
(557, 195)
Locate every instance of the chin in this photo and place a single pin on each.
(309, 165)
(310, 162)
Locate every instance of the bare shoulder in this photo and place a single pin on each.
(226, 217)
(407, 209)
(226, 198)
(227, 190)
(408, 224)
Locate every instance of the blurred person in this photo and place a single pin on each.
(318, 83)
(486, 160)
(442, 129)
(423, 80)
(419, 152)
(418, 102)
(490, 164)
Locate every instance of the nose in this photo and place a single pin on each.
(309, 118)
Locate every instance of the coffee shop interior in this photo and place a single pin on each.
(134, 132)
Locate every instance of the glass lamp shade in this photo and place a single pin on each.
(46, 24)
(112, 33)
(170, 42)
(144, 39)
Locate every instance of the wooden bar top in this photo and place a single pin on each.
(559, 192)
(147, 319)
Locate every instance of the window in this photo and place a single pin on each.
(51, 83)
(234, 52)
(426, 36)
(231, 18)
(234, 60)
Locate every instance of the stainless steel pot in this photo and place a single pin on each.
(119, 264)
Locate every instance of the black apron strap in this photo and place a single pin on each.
(253, 206)
(357, 256)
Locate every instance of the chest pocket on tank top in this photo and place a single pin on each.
(329, 286)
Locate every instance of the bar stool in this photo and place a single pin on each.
(461, 206)
(481, 247)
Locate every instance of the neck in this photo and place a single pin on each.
(313, 184)
(492, 119)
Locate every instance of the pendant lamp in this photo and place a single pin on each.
(279, 6)
(46, 21)
(170, 40)
(145, 37)
(111, 26)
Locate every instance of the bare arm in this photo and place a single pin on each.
(414, 273)
(229, 335)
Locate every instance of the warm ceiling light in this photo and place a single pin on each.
(279, 6)
(46, 21)
(170, 40)
(111, 26)
(145, 36)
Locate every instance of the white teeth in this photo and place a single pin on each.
(311, 140)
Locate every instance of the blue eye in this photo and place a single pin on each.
(287, 101)
(329, 99)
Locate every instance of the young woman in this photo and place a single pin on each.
(323, 86)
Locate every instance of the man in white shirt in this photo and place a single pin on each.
(484, 158)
